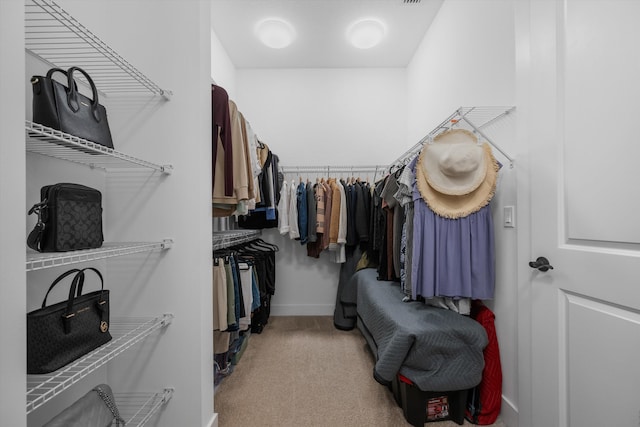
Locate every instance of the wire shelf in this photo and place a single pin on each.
(39, 261)
(59, 39)
(60, 145)
(137, 408)
(126, 332)
(475, 119)
(223, 239)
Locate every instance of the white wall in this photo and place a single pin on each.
(223, 72)
(467, 58)
(326, 116)
(321, 117)
(13, 356)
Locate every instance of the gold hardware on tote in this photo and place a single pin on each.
(68, 316)
(104, 326)
(34, 80)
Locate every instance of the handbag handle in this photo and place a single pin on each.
(72, 96)
(76, 288)
(35, 79)
(55, 282)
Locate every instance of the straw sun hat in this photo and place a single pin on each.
(456, 176)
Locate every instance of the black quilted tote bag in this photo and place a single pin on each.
(61, 333)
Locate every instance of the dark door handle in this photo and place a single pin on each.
(541, 264)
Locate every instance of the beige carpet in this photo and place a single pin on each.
(301, 371)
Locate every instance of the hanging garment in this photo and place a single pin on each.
(244, 205)
(452, 257)
(265, 213)
(362, 216)
(222, 137)
(219, 295)
(328, 213)
(252, 139)
(294, 228)
(221, 341)
(352, 200)
(224, 205)
(339, 252)
(312, 214)
(345, 312)
(334, 228)
(395, 218)
(301, 197)
(404, 196)
(377, 227)
(231, 302)
(246, 280)
(315, 248)
(283, 209)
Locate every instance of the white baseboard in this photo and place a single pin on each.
(509, 413)
(302, 309)
(214, 421)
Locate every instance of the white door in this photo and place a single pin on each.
(584, 136)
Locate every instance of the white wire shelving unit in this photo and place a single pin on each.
(125, 332)
(138, 408)
(60, 145)
(224, 239)
(475, 119)
(58, 38)
(39, 261)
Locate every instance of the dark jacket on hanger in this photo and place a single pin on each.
(222, 134)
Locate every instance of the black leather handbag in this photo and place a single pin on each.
(61, 333)
(97, 408)
(64, 108)
(69, 218)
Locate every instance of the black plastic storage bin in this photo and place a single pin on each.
(420, 407)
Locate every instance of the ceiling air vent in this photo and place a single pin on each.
(411, 1)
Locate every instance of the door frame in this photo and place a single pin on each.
(523, 70)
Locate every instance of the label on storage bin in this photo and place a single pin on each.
(437, 408)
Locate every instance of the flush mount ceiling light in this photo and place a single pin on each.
(275, 33)
(366, 33)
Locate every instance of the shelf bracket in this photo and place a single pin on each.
(167, 318)
(167, 394)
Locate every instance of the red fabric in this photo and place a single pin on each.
(490, 388)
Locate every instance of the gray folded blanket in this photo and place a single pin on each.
(437, 349)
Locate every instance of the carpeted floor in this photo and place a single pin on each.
(301, 371)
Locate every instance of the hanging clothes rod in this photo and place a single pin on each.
(331, 169)
(475, 118)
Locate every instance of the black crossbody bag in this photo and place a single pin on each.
(69, 218)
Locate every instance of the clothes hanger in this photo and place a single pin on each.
(264, 245)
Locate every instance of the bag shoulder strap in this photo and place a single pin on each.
(104, 391)
(35, 237)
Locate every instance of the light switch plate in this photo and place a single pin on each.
(509, 217)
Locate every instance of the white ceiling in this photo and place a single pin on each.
(321, 26)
